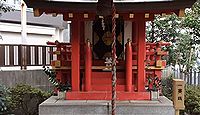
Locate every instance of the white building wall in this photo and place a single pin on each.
(36, 35)
(127, 31)
(88, 30)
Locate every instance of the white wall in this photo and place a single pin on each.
(36, 35)
(127, 31)
(88, 30)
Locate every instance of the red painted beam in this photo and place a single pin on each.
(105, 95)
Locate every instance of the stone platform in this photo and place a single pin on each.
(52, 106)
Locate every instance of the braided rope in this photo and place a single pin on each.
(113, 60)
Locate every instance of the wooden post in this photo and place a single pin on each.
(88, 66)
(2, 57)
(190, 77)
(195, 78)
(198, 78)
(75, 76)
(176, 112)
(141, 53)
(23, 34)
(128, 66)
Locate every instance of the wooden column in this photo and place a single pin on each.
(141, 53)
(75, 41)
(88, 66)
(134, 49)
(128, 66)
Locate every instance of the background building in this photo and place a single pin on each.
(39, 29)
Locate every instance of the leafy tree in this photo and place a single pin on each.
(192, 22)
(185, 56)
(163, 28)
(4, 7)
(183, 33)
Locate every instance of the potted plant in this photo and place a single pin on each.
(153, 85)
(61, 88)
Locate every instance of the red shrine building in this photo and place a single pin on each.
(85, 62)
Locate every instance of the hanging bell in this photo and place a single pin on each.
(104, 8)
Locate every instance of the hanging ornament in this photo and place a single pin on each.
(104, 10)
(103, 24)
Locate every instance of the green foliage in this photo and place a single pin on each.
(163, 28)
(166, 28)
(24, 99)
(192, 100)
(167, 87)
(4, 7)
(186, 51)
(52, 78)
(183, 33)
(3, 101)
(192, 22)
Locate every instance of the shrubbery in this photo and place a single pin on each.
(167, 87)
(23, 100)
(3, 99)
(192, 100)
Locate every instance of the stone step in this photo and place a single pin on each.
(52, 106)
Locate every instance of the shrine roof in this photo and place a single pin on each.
(115, 1)
(121, 6)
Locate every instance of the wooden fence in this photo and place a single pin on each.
(193, 78)
(25, 55)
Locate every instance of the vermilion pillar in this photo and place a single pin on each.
(141, 53)
(75, 41)
(128, 66)
(88, 66)
(134, 48)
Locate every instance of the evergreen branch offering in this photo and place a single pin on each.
(52, 78)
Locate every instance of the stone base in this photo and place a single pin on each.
(52, 106)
